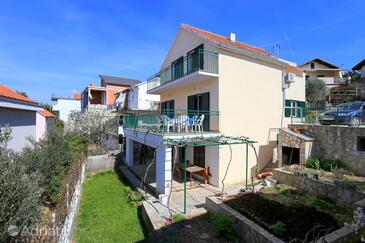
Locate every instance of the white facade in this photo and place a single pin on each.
(64, 106)
(362, 71)
(138, 98)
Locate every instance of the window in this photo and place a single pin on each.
(199, 104)
(306, 77)
(177, 68)
(195, 59)
(320, 76)
(168, 107)
(312, 65)
(361, 143)
(294, 108)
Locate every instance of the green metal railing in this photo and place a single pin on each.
(174, 121)
(202, 60)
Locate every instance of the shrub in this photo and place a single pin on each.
(19, 194)
(134, 198)
(177, 218)
(324, 164)
(278, 228)
(223, 225)
(313, 163)
(50, 158)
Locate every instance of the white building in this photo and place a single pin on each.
(360, 67)
(64, 106)
(137, 98)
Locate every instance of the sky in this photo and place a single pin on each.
(58, 47)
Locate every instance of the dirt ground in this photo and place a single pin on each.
(197, 230)
(301, 222)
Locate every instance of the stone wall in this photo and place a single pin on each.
(336, 142)
(338, 193)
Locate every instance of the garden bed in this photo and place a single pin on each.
(290, 214)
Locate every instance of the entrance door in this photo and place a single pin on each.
(199, 156)
(199, 104)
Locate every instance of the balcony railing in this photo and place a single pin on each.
(200, 61)
(174, 121)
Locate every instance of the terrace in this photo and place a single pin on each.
(194, 67)
(174, 122)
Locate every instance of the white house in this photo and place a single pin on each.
(20, 113)
(137, 98)
(64, 106)
(45, 121)
(214, 90)
(360, 67)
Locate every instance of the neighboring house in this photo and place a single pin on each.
(240, 89)
(20, 113)
(45, 121)
(64, 106)
(361, 68)
(137, 98)
(318, 68)
(103, 97)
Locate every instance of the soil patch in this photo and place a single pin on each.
(197, 230)
(288, 222)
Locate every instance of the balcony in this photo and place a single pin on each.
(198, 65)
(174, 122)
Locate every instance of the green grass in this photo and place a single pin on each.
(105, 214)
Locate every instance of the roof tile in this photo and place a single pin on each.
(11, 94)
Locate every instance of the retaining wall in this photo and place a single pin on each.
(340, 193)
(336, 142)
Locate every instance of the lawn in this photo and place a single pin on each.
(105, 214)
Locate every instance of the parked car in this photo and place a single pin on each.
(352, 114)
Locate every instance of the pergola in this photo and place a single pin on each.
(206, 142)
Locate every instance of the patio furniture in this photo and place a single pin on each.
(167, 122)
(191, 169)
(198, 125)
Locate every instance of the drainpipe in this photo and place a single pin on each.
(283, 88)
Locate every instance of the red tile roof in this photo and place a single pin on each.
(219, 39)
(11, 94)
(46, 113)
(77, 96)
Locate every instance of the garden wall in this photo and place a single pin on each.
(341, 194)
(336, 142)
(100, 163)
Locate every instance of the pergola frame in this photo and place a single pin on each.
(207, 142)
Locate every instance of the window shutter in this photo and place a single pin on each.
(303, 108)
(287, 110)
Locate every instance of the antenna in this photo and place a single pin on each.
(276, 48)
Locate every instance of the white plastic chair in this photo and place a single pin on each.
(198, 126)
(166, 122)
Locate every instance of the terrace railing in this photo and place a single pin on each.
(174, 121)
(203, 60)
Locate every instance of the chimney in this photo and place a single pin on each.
(93, 85)
(232, 37)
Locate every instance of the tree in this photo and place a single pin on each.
(92, 124)
(315, 91)
(22, 93)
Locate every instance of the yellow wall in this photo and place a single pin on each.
(250, 101)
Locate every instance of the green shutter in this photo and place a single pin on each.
(287, 110)
(303, 108)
